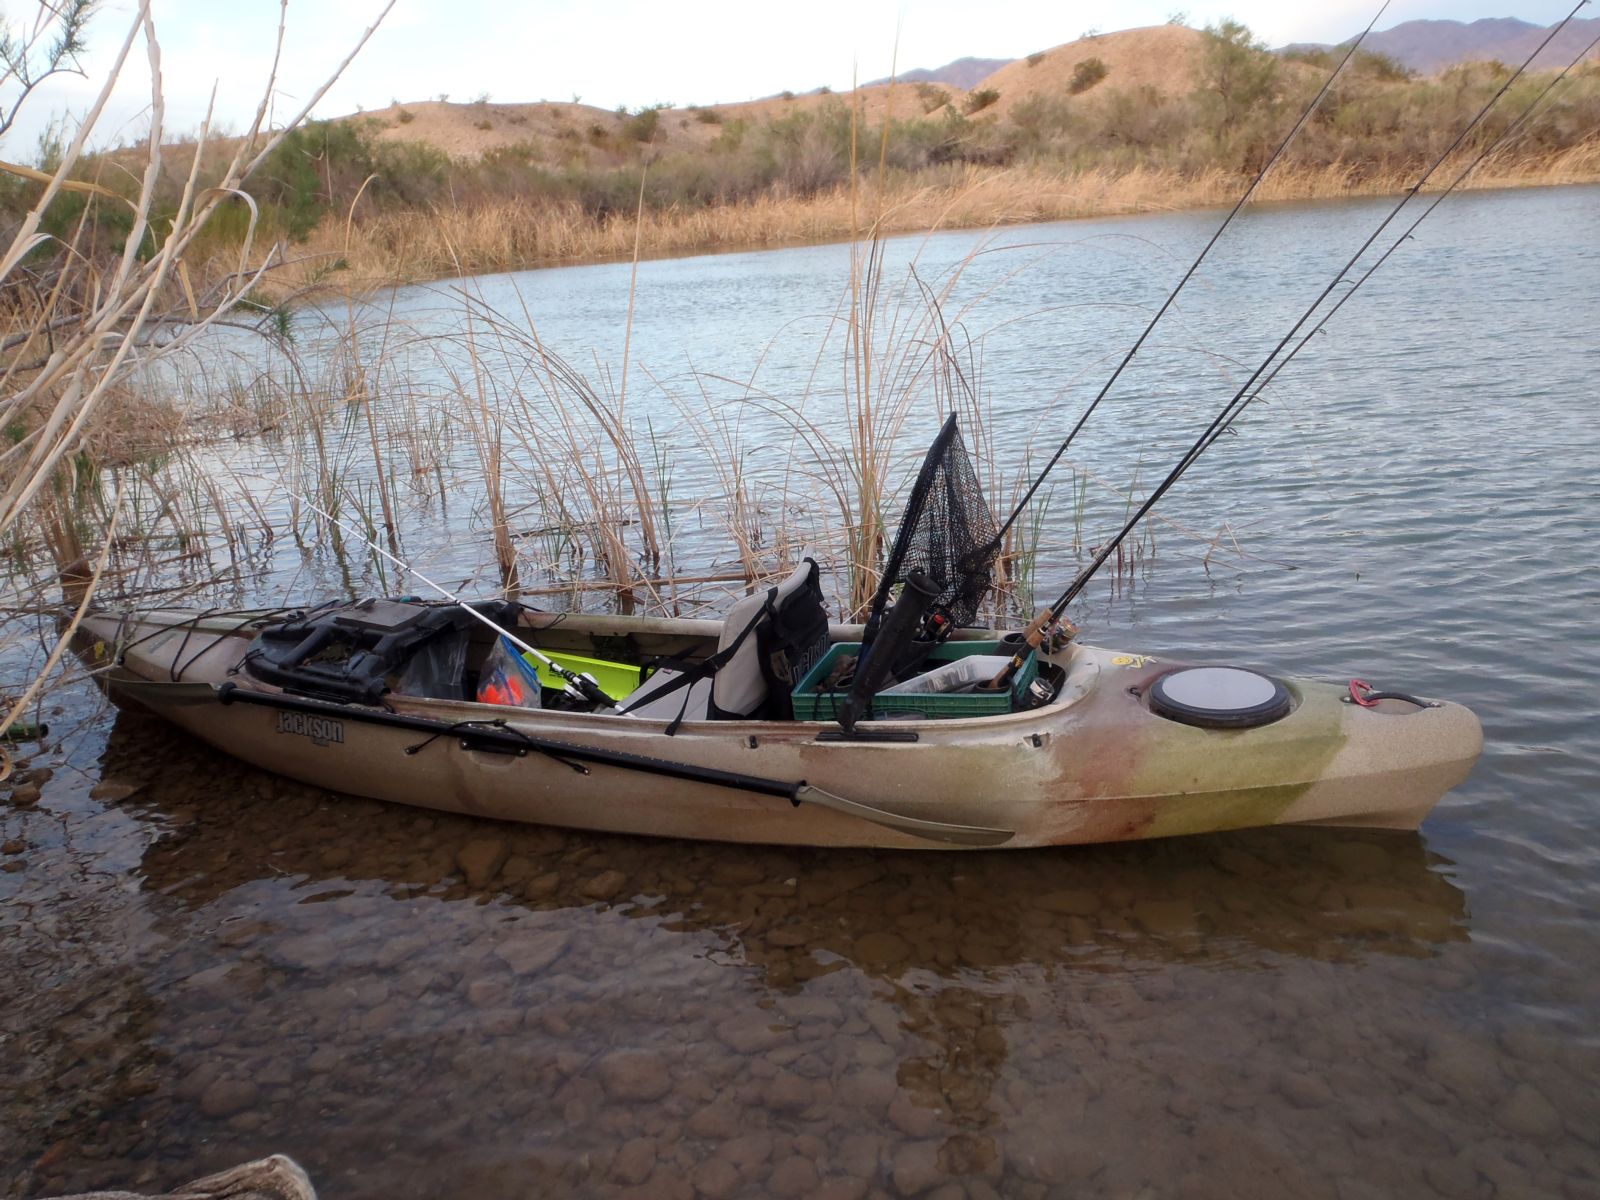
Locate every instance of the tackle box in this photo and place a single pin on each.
(811, 703)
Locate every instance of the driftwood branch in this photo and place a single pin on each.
(275, 1178)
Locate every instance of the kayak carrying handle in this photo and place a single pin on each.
(486, 735)
(526, 743)
(1362, 693)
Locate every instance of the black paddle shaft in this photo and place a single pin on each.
(498, 737)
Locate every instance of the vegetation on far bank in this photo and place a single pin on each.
(354, 195)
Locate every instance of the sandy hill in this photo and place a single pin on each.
(559, 132)
(1164, 57)
(961, 74)
(469, 131)
(901, 101)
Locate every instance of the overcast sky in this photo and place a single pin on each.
(625, 52)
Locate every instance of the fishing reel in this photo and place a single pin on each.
(937, 626)
(1055, 638)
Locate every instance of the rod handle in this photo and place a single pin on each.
(1031, 637)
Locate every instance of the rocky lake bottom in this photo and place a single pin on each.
(205, 964)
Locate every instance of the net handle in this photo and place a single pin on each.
(909, 519)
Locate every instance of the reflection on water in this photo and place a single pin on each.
(417, 1005)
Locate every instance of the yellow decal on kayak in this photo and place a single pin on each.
(1131, 660)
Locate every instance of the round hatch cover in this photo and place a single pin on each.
(1220, 697)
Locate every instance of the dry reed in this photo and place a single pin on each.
(416, 245)
(77, 325)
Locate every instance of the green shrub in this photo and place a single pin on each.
(1237, 73)
(643, 125)
(931, 97)
(1373, 65)
(405, 116)
(311, 165)
(1036, 58)
(731, 136)
(708, 116)
(979, 100)
(1086, 74)
(1312, 57)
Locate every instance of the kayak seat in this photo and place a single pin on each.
(769, 639)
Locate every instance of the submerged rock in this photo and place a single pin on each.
(604, 886)
(526, 953)
(1527, 1112)
(881, 949)
(480, 859)
(228, 1096)
(715, 1179)
(751, 1033)
(634, 1076)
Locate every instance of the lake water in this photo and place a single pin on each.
(202, 964)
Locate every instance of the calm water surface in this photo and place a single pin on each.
(201, 963)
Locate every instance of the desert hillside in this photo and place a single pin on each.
(1164, 57)
(1164, 61)
(1134, 121)
(555, 131)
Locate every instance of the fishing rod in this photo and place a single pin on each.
(581, 684)
(1235, 405)
(1510, 132)
(1172, 296)
(1036, 630)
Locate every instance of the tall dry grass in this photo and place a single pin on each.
(415, 245)
(77, 322)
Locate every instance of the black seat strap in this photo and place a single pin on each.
(706, 668)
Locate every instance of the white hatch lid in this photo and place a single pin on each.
(1220, 697)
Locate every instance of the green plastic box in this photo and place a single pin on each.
(812, 704)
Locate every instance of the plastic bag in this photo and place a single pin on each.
(506, 679)
(438, 670)
(957, 676)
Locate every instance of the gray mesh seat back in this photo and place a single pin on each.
(762, 664)
(656, 699)
(768, 640)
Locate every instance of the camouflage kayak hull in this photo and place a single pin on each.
(1094, 765)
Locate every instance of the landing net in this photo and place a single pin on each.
(947, 531)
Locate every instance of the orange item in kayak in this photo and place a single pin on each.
(507, 679)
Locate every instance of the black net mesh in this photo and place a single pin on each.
(947, 531)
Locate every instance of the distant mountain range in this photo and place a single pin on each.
(1424, 46)
(964, 74)
(1429, 46)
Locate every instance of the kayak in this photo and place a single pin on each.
(377, 699)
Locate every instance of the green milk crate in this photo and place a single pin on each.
(813, 704)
